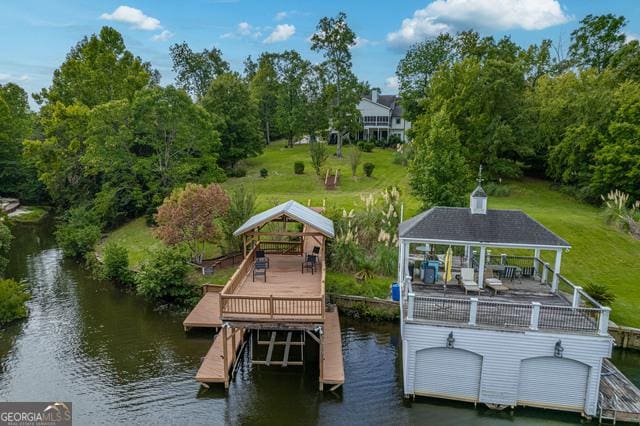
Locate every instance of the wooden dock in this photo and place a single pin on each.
(206, 313)
(332, 370)
(214, 369)
(619, 397)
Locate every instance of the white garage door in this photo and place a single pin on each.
(448, 373)
(553, 382)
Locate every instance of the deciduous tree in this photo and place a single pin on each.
(196, 70)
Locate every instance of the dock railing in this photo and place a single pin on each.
(269, 307)
(505, 315)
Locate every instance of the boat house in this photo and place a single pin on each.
(487, 316)
(275, 301)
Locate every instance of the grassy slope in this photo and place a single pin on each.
(599, 253)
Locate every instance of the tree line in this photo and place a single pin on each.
(110, 140)
(571, 117)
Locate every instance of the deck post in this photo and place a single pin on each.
(225, 357)
(473, 311)
(410, 302)
(271, 305)
(575, 303)
(321, 360)
(536, 264)
(483, 251)
(545, 272)
(603, 326)
(556, 271)
(535, 315)
(401, 256)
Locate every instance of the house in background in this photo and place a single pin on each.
(382, 117)
(502, 328)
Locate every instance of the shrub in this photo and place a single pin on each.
(298, 167)
(601, 292)
(386, 260)
(78, 233)
(164, 276)
(368, 169)
(13, 299)
(354, 160)
(366, 146)
(394, 140)
(319, 154)
(264, 172)
(236, 172)
(497, 190)
(5, 245)
(116, 264)
(403, 154)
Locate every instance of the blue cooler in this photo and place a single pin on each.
(395, 292)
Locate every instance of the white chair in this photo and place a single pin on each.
(468, 281)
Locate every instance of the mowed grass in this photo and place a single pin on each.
(599, 252)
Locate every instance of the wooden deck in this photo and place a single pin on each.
(287, 294)
(212, 369)
(619, 398)
(206, 314)
(332, 363)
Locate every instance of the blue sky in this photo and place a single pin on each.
(37, 34)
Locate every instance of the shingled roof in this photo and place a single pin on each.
(455, 224)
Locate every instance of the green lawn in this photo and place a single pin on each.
(599, 253)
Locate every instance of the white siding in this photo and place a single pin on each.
(502, 353)
(549, 381)
(366, 107)
(435, 379)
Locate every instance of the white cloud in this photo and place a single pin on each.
(282, 32)
(631, 37)
(162, 36)
(392, 82)
(455, 15)
(281, 15)
(135, 17)
(10, 77)
(362, 42)
(244, 29)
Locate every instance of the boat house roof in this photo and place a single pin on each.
(292, 210)
(497, 227)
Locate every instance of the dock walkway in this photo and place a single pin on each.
(212, 369)
(206, 313)
(619, 397)
(332, 362)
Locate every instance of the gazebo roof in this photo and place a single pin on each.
(294, 211)
(459, 225)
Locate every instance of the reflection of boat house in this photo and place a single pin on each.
(507, 329)
(278, 309)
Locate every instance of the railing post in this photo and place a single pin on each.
(473, 311)
(410, 302)
(535, 315)
(575, 303)
(545, 272)
(271, 305)
(503, 259)
(536, 263)
(603, 326)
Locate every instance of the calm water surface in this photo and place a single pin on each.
(120, 361)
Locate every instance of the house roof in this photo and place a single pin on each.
(292, 210)
(456, 224)
(390, 101)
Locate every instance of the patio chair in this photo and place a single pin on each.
(468, 282)
(260, 268)
(260, 255)
(510, 272)
(494, 283)
(309, 263)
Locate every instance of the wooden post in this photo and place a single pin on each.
(401, 256)
(575, 303)
(410, 302)
(225, 357)
(473, 311)
(271, 305)
(321, 360)
(535, 315)
(536, 264)
(545, 272)
(244, 246)
(603, 326)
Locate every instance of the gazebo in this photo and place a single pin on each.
(479, 229)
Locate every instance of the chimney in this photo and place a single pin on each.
(374, 95)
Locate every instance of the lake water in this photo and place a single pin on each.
(120, 361)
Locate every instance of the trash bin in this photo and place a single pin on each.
(395, 292)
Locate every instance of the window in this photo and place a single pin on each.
(397, 121)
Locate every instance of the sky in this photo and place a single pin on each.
(35, 35)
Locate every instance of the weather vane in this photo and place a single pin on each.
(479, 180)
